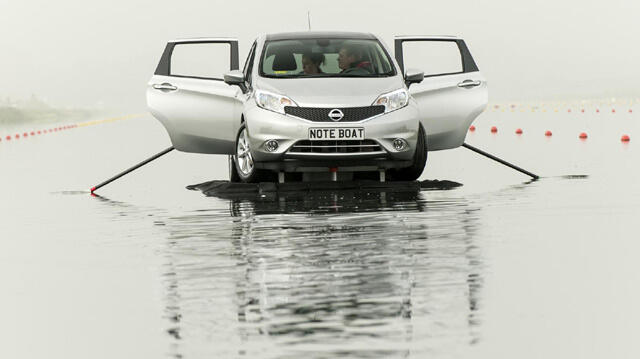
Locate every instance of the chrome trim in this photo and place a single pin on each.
(165, 86)
(336, 115)
(469, 83)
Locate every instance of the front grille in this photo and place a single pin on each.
(341, 146)
(318, 114)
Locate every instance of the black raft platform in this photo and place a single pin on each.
(226, 189)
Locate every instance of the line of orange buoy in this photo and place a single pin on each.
(34, 133)
(547, 133)
(583, 107)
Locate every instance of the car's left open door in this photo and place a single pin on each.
(453, 92)
(188, 95)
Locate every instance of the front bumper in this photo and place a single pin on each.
(264, 125)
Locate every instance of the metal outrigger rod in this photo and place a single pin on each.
(156, 156)
(477, 150)
(160, 154)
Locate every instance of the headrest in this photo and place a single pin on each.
(284, 61)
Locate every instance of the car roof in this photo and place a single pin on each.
(319, 34)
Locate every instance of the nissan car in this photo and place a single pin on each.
(318, 105)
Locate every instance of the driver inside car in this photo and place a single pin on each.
(350, 61)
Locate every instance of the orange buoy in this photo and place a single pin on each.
(519, 131)
(472, 128)
(583, 136)
(625, 138)
(494, 129)
(548, 133)
(597, 110)
(613, 110)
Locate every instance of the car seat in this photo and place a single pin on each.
(284, 61)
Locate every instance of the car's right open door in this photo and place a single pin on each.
(188, 95)
(453, 92)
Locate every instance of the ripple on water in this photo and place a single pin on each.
(337, 274)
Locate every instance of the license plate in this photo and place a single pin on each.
(337, 133)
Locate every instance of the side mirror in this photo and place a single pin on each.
(413, 76)
(235, 77)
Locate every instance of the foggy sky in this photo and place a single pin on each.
(80, 53)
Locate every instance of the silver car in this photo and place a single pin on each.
(318, 105)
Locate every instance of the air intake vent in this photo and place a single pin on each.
(318, 114)
(342, 146)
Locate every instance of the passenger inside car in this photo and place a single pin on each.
(311, 63)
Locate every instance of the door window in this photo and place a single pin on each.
(200, 60)
(433, 57)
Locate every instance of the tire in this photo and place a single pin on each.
(233, 174)
(414, 171)
(243, 163)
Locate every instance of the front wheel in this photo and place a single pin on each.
(414, 171)
(233, 172)
(242, 162)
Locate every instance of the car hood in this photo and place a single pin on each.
(331, 92)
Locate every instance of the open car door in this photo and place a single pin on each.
(453, 92)
(188, 95)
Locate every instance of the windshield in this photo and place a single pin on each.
(325, 58)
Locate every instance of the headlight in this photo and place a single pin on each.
(272, 102)
(393, 100)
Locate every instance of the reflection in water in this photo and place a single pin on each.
(324, 275)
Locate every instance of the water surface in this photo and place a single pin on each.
(501, 267)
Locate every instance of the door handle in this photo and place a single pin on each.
(469, 83)
(164, 87)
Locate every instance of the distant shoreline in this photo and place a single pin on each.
(16, 116)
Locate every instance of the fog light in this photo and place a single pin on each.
(271, 145)
(399, 144)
